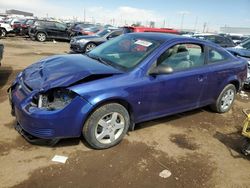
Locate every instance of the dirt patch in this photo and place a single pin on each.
(7, 75)
(183, 141)
(126, 165)
(14, 45)
(19, 143)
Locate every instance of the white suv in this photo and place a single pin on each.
(5, 28)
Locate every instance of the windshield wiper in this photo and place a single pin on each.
(101, 60)
(106, 61)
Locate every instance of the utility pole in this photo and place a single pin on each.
(204, 27)
(164, 23)
(195, 24)
(84, 14)
(182, 19)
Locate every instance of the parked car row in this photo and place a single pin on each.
(220, 40)
(243, 50)
(83, 44)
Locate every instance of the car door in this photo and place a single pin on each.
(219, 69)
(180, 90)
(61, 31)
(50, 29)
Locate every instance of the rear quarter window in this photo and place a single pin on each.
(215, 56)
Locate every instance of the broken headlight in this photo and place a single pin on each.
(55, 99)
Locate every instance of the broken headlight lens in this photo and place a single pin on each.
(55, 99)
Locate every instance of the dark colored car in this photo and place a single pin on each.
(26, 25)
(1, 52)
(43, 30)
(78, 28)
(84, 44)
(130, 79)
(217, 39)
(243, 50)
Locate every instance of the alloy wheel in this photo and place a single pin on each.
(110, 128)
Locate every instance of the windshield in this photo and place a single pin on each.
(125, 52)
(103, 32)
(246, 44)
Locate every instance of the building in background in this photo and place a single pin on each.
(18, 13)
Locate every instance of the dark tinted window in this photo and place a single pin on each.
(127, 30)
(219, 39)
(103, 32)
(60, 26)
(115, 34)
(50, 24)
(246, 44)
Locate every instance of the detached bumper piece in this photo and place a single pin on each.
(35, 140)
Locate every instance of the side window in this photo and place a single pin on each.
(60, 26)
(115, 34)
(219, 40)
(50, 24)
(216, 56)
(182, 56)
(211, 38)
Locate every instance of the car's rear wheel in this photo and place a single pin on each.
(3, 32)
(41, 37)
(225, 100)
(90, 46)
(106, 126)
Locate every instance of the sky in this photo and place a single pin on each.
(184, 14)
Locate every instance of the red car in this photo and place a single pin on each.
(131, 29)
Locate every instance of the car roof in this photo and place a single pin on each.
(159, 36)
(165, 37)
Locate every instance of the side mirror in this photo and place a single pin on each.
(161, 69)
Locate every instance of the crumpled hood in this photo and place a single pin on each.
(62, 71)
(240, 51)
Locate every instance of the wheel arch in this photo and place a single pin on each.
(117, 100)
(236, 83)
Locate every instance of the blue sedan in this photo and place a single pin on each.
(133, 78)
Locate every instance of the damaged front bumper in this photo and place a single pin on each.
(35, 123)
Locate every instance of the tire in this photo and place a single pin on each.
(41, 37)
(90, 46)
(3, 32)
(225, 100)
(106, 126)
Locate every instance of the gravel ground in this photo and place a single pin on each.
(200, 148)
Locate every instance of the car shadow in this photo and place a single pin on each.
(68, 142)
(170, 118)
(233, 141)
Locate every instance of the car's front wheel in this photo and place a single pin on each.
(90, 46)
(106, 126)
(225, 100)
(41, 37)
